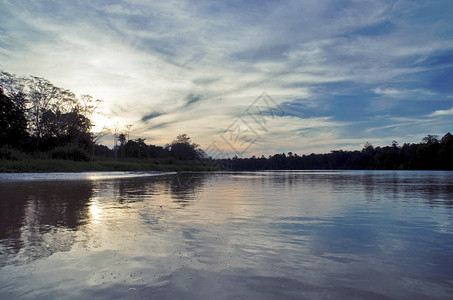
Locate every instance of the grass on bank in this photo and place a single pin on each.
(58, 165)
(12, 161)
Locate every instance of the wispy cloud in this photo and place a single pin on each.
(194, 66)
(409, 94)
(446, 112)
(150, 116)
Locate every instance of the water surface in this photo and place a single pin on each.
(236, 235)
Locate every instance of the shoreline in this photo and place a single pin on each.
(136, 165)
(68, 176)
(102, 165)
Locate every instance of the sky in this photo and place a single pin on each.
(246, 77)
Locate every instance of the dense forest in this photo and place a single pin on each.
(431, 154)
(41, 121)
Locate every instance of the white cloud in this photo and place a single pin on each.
(437, 113)
(402, 93)
(389, 91)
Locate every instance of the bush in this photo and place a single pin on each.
(69, 153)
(9, 153)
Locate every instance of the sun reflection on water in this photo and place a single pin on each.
(95, 212)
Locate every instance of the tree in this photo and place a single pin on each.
(367, 147)
(44, 96)
(66, 128)
(13, 124)
(38, 96)
(49, 109)
(184, 139)
(158, 151)
(11, 84)
(137, 148)
(182, 148)
(78, 129)
(97, 136)
(430, 139)
(448, 138)
(87, 106)
(122, 139)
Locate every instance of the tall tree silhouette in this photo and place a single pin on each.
(13, 124)
(183, 148)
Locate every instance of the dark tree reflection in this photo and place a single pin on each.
(136, 189)
(40, 218)
(187, 188)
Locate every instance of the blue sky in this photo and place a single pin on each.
(343, 72)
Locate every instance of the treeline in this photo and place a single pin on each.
(181, 148)
(37, 116)
(40, 120)
(431, 154)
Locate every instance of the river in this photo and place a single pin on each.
(227, 235)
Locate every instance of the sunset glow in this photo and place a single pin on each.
(344, 73)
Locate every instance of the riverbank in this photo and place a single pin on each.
(57, 165)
